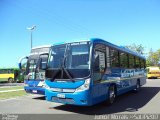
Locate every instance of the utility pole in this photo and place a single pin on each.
(31, 30)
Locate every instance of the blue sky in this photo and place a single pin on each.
(121, 22)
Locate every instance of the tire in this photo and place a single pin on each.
(138, 86)
(10, 80)
(111, 94)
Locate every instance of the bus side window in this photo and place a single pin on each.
(99, 62)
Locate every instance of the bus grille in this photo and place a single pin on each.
(63, 100)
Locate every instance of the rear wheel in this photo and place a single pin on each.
(10, 80)
(112, 94)
(138, 86)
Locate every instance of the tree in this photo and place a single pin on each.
(136, 48)
(153, 58)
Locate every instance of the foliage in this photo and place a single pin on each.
(136, 48)
(11, 88)
(14, 94)
(153, 58)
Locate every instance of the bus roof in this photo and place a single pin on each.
(98, 40)
(121, 48)
(40, 50)
(42, 46)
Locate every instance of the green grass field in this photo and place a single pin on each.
(11, 94)
(11, 88)
(7, 95)
(3, 80)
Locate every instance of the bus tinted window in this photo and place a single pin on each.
(142, 63)
(131, 61)
(137, 63)
(114, 55)
(40, 50)
(79, 55)
(56, 56)
(124, 60)
(107, 57)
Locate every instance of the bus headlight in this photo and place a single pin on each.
(83, 87)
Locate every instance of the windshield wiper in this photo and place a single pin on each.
(63, 70)
(55, 73)
(66, 71)
(68, 74)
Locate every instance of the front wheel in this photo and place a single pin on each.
(112, 95)
(138, 86)
(10, 80)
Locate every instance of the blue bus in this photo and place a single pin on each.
(34, 76)
(89, 72)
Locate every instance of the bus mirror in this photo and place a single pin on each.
(43, 65)
(20, 66)
(43, 61)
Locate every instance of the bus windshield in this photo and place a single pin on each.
(31, 67)
(72, 58)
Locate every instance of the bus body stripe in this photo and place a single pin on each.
(6, 75)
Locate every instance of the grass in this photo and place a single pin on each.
(3, 80)
(12, 94)
(11, 88)
(7, 95)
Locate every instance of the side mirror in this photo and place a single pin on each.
(20, 66)
(43, 65)
(43, 61)
(20, 61)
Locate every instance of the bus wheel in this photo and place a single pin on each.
(138, 86)
(112, 95)
(10, 80)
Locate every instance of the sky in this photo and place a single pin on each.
(121, 22)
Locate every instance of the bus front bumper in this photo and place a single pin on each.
(76, 98)
(35, 90)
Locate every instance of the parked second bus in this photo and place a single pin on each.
(34, 77)
(88, 72)
(11, 75)
(153, 72)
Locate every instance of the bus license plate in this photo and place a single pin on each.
(34, 91)
(61, 95)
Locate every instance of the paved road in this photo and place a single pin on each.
(146, 101)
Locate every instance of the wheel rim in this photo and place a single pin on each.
(138, 86)
(112, 95)
(10, 80)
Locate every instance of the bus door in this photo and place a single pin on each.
(99, 65)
